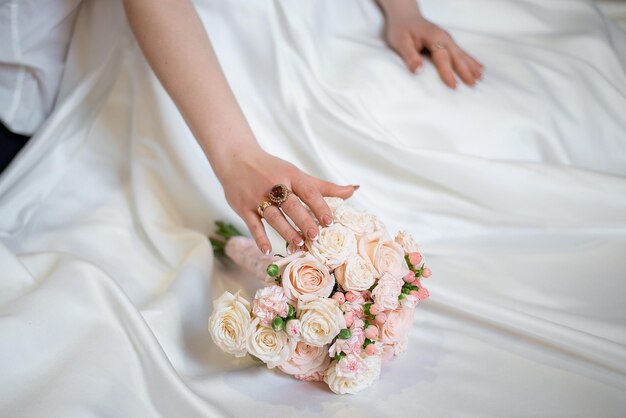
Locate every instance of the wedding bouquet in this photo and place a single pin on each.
(333, 312)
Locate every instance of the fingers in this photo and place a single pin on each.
(311, 194)
(405, 47)
(477, 67)
(300, 215)
(274, 216)
(333, 190)
(462, 67)
(254, 224)
(443, 62)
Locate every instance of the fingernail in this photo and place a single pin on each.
(328, 220)
(265, 250)
(312, 234)
(356, 186)
(420, 69)
(298, 242)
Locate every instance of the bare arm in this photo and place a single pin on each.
(178, 49)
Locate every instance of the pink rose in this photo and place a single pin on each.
(386, 293)
(306, 360)
(386, 256)
(306, 275)
(396, 328)
(269, 302)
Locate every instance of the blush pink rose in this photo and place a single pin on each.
(385, 256)
(307, 276)
(310, 377)
(306, 360)
(386, 293)
(269, 302)
(396, 328)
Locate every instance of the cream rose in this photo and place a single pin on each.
(306, 360)
(386, 256)
(334, 203)
(360, 223)
(357, 274)
(397, 327)
(229, 323)
(271, 347)
(321, 319)
(353, 383)
(307, 276)
(334, 245)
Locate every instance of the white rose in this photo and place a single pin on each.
(306, 275)
(334, 203)
(271, 347)
(229, 323)
(385, 255)
(360, 223)
(321, 319)
(353, 384)
(334, 245)
(356, 274)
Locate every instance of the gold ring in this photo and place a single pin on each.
(278, 194)
(263, 205)
(437, 46)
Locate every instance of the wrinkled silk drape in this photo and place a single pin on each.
(516, 190)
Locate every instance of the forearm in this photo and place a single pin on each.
(179, 51)
(395, 9)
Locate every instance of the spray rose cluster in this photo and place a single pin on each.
(333, 312)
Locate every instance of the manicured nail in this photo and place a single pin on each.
(356, 186)
(298, 242)
(265, 250)
(327, 219)
(420, 69)
(312, 234)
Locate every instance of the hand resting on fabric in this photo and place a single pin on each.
(409, 33)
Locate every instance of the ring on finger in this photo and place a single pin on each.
(266, 203)
(437, 46)
(278, 194)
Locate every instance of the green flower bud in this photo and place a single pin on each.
(272, 270)
(405, 290)
(344, 334)
(401, 296)
(292, 312)
(278, 324)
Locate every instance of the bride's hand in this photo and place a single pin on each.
(409, 34)
(249, 177)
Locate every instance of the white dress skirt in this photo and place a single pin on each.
(516, 190)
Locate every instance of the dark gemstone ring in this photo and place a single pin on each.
(279, 194)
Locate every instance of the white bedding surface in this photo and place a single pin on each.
(516, 190)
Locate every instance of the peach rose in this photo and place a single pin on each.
(307, 276)
(406, 241)
(386, 256)
(397, 327)
(306, 360)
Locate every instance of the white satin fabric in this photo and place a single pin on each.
(515, 188)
